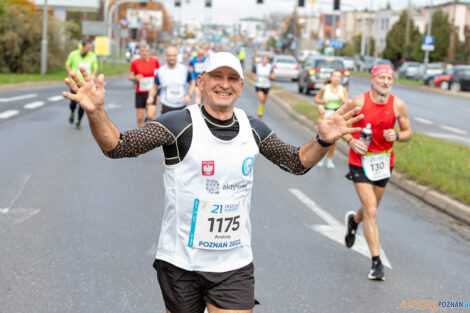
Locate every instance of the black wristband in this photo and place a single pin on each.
(398, 135)
(322, 143)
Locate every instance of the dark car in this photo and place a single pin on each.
(461, 79)
(316, 72)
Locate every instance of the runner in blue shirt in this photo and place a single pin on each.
(195, 66)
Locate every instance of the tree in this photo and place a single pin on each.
(395, 41)
(440, 29)
(20, 40)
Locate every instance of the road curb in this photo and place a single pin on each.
(435, 199)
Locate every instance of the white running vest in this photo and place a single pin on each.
(206, 225)
(173, 85)
(262, 71)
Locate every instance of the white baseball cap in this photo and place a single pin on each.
(221, 59)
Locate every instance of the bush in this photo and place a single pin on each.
(20, 41)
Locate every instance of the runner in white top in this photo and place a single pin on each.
(263, 73)
(204, 255)
(175, 82)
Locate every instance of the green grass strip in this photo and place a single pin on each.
(10, 78)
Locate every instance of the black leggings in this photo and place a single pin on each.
(73, 106)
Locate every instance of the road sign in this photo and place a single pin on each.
(336, 44)
(101, 45)
(428, 43)
(93, 28)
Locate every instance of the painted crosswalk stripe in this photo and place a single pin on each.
(33, 105)
(9, 113)
(423, 121)
(454, 130)
(28, 96)
(56, 98)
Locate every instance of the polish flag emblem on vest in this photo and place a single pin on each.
(207, 168)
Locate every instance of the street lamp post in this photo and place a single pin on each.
(44, 40)
(428, 33)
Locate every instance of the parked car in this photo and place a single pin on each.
(409, 70)
(460, 80)
(286, 66)
(349, 63)
(433, 69)
(430, 78)
(304, 54)
(365, 64)
(443, 81)
(383, 61)
(316, 71)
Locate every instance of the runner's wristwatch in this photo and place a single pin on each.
(322, 143)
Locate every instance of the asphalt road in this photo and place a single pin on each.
(438, 115)
(79, 230)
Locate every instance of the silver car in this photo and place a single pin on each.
(285, 66)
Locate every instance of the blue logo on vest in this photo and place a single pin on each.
(247, 166)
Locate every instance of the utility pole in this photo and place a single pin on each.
(426, 53)
(294, 21)
(408, 26)
(44, 40)
(452, 40)
(369, 30)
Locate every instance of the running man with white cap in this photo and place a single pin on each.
(204, 256)
(370, 165)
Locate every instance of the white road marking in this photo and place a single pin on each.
(423, 120)
(19, 214)
(33, 105)
(449, 137)
(28, 96)
(56, 98)
(335, 230)
(8, 113)
(454, 130)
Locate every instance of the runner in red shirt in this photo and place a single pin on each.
(143, 73)
(370, 166)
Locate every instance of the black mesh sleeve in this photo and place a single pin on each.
(282, 154)
(138, 141)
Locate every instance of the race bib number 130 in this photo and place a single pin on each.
(216, 225)
(377, 166)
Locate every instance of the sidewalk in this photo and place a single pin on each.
(436, 199)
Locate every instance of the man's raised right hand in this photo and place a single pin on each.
(88, 95)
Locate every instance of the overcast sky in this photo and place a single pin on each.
(228, 11)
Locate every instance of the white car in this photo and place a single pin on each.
(285, 66)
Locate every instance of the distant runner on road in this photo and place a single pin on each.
(175, 82)
(263, 73)
(204, 256)
(196, 65)
(80, 57)
(371, 157)
(143, 73)
(332, 96)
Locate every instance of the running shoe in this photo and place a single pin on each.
(77, 126)
(377, 271)
(351, 230)
(321, 163)
(71, 119)
(329, 163)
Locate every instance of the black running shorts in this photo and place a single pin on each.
(357, 175)
(263, 90)
(141, 100)
(188, 291)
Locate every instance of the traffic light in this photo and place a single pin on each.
(208, 3)
(177, 3)
(259, 1)
(336, 5)
(301, 3)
